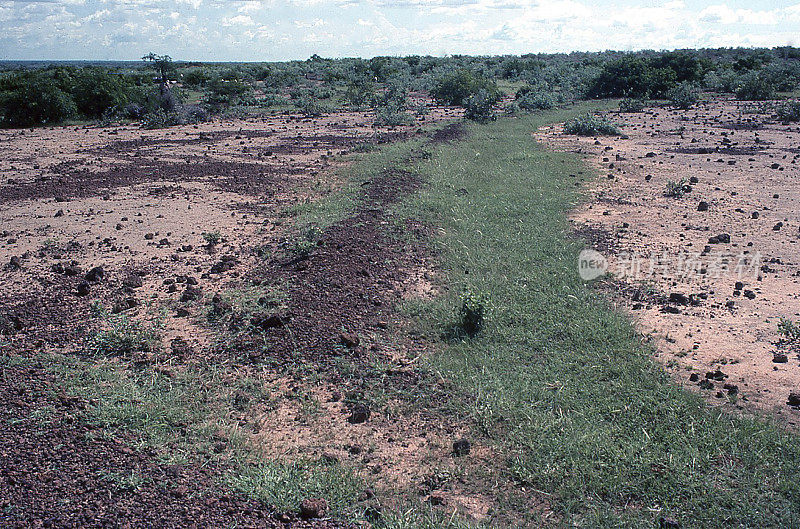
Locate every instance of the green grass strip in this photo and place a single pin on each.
(561, 380)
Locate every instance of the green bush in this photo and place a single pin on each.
(534, 100)
(590, 125)
(473, 312)
(789, 111)
(631, 105)
(121, 336)
(480, 106)
(683, 96)
(223, 93)
(632, 76)
(754, 87)
(33, 98)
(457, 87)
(96, 91)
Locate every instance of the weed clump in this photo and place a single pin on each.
(473, 312)
(122, 335)
(631, 105)
(789, 111)
(591, 125)
(676, 189)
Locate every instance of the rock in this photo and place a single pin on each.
(777, 227)
(723, 238)
(794, 399)
(191, 294)
(59, 213)
(716, 375)
(779, 358)
(668, 523)
(359, 413)
(461, 447)
(95, 274)
(264, 320)
(83, 289)
(694, 377)
(15, 263)
(180, 347)
(702, 206)
(313, 508)
(749, 294)
(132, 281)
(679, 298)
(349, 339)
(72, 270)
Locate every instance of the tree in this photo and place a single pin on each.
(164, 65)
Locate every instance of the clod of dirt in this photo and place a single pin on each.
(132, 281)
(95, 274)
(461, 447)
(191, 294)
(83, 289)
(349, 339)
(359, 413)
(313, 508)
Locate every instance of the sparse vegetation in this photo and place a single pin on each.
(590, 125)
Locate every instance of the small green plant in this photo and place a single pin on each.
(473, 312)
(789, 329)
(591, 125)
(676, 189)
(212, 238)
(631, 105)
(122, 335)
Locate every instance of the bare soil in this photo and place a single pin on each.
(136, 203)
(714, 328)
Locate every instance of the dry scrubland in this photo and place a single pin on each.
(278, 303)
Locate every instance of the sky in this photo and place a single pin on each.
(271, 30)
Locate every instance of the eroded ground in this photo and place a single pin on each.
(711, 272)
(189, 229)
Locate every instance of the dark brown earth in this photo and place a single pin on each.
(56, 469)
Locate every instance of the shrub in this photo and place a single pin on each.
(789, 111)
(632, 76)
(590, 125)
(479, 107)
(473, 312)
(683, 96)
(532, 100)
(457, 87)
(754, 87)
(33, 99)
(391, 116)
(226, 93)
(96, 91)
(631, 105)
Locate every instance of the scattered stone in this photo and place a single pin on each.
(132, 281)
(95, 275)
(359, 413)
(461, 447)
(313, 508)
(191, 294)
(349, 340)
(83, 289)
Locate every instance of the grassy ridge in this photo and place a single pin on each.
(560, 380)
